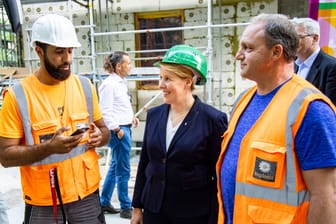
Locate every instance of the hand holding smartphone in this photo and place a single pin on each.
(81, 128)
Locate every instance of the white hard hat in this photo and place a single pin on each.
(54, 30)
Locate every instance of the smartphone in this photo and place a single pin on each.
(81, 128)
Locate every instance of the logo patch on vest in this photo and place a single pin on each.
(46, 137)
(264, 170)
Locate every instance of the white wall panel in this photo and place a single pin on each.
(154, 5)
(264, 7)
(243, 9)
(227, 12)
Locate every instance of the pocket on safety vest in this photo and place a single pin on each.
(266, 164)
(91, 170)
(43, 131)
(259, 214)
(80, 119)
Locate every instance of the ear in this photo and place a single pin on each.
(39, 51)
(316, 38)
(118, 67)
(189, 81)
(277, 50)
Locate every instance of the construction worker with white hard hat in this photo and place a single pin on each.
(51, 124)
(54, 30)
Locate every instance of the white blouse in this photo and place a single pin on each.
(170, 131)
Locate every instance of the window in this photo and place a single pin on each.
(156, 41)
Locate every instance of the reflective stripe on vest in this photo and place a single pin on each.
(237, 100)
(288, 194)
(23, 108)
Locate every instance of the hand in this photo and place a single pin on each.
(137, 217)
(63, 144)
(135, 122)
(120, 133)
(95, 136)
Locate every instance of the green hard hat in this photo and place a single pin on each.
(186, 55)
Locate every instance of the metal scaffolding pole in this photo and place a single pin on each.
(220, 57)
(210, 55)
(93, 52)
(170, 29)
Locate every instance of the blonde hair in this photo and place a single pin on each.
(180, 70)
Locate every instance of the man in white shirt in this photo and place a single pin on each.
(118, 115)
(312, 63)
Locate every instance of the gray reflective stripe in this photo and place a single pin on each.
(293, 112)
(23, 108)
(237, 100)
(88, 94)
(288, 194)
(53, 158)
(276, 195)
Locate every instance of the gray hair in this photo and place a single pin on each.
(279, 30)
(311, 26)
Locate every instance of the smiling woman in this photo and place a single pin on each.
(177, 163)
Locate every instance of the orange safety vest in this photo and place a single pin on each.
(269, 183)
(78, 170)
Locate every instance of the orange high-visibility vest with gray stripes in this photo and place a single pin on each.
(269, 183)
(78, 171)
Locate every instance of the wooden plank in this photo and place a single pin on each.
(5, 73)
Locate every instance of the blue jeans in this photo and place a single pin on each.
(119, 171)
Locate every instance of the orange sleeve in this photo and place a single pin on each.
(10, 118)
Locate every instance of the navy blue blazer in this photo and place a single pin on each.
(182, 180)
(322, 75)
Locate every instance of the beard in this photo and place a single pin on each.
(56, 72)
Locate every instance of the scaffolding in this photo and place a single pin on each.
(9, 53)
(95, 55)
(219, 77)
(221, 87)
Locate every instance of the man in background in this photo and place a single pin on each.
(312, 63)
(118, 114)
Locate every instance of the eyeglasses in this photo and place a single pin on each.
(301, 36)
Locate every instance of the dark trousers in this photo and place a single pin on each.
(86, 210)
(162, 218)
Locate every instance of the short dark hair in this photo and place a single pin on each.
(113, 59)
(41, 45)
(279, 30)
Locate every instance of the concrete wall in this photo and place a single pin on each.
(226, 79)
(226, 83)
(298, 8)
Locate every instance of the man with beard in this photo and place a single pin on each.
(59, 168)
